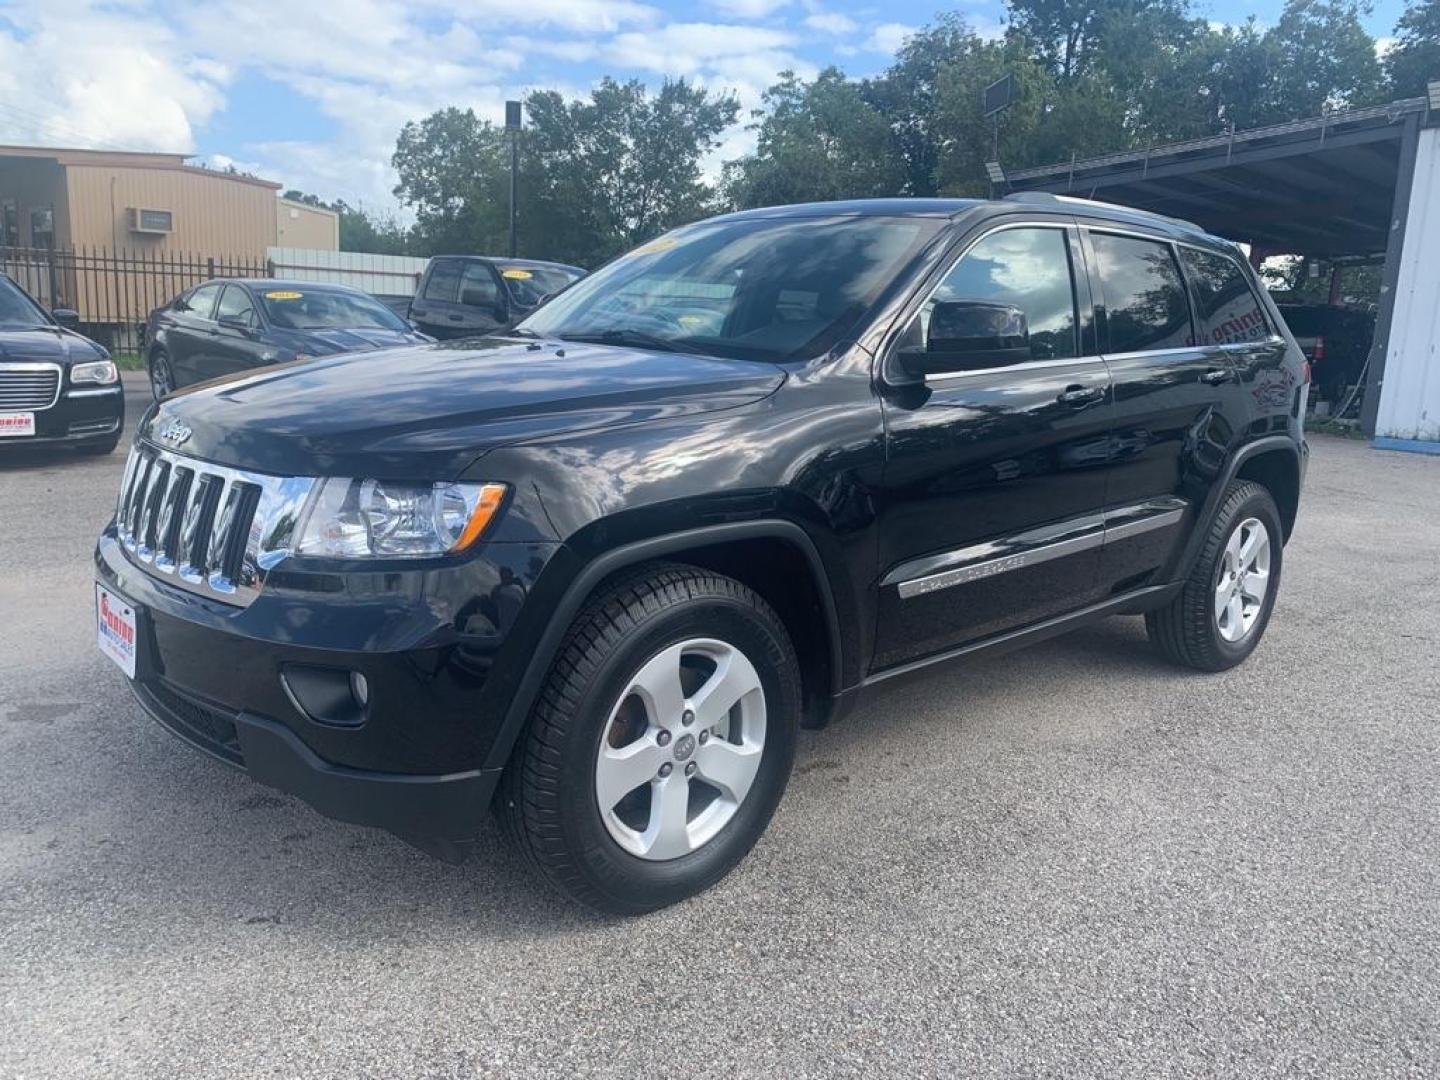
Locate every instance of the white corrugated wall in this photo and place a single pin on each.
(383, 275)
(1410, 395)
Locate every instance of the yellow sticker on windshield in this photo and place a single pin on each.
(283, 294)
(654, 247)
(516, 275)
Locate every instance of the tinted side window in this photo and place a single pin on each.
(1145, 302)
(478, 288)
(1028, 269)
(444, 281)
(202, 301)
(235, 303)
(1229, 311)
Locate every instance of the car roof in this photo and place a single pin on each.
(497, 260)
(954, 208)
(283, 283)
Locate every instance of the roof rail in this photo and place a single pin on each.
(1041, 198)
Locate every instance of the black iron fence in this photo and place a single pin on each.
(115, 290)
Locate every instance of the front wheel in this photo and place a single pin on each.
(660, 744)
(1221, 613)
(162, 376)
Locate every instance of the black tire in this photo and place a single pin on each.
(547, 802)
(158, 367)
(1186, 629)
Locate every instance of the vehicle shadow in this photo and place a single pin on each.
(187, 838)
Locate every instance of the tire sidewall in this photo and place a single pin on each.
(625, 877)
(159, 356)
(1258, 505)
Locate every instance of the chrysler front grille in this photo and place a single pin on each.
(28, 387)
(209, 529)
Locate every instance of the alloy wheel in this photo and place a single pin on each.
(1243, 580)
(161, 381)
(681, 749)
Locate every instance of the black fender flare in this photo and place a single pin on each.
(517, 712)
(1268, 445)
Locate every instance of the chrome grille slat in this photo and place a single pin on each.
(210, 529)
(29, 387)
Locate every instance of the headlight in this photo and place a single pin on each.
(359, 519)
(97, 372)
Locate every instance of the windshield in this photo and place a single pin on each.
(529, 285)
(768, 288)
(324, 309)
(17, 309)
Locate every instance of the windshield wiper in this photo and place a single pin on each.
(622, 336)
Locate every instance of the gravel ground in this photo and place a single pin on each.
(1072, 861)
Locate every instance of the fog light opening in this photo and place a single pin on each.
(359, 689)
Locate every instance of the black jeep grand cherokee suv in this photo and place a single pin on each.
(596, 571)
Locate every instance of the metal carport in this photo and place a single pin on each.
(1336, 186)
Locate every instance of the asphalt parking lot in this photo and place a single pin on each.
(1073, 861)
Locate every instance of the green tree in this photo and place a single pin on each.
(1323, 57)
(815, 141)
(453, 168)
(905, 95)
(603, 175)
(1414, 62)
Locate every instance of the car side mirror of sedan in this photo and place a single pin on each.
(66, 317)
(234, 322)
(966, 335)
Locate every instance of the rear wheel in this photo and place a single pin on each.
(162, 376)
(661, 742)
(1221, 613)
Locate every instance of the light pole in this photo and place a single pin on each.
(512, 127)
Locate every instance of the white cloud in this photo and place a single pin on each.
(1383, 45)
(152, 74)
(888, 37)
(749, 9)
(832, 22)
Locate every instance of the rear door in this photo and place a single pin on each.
(459, 298)
(1179, 408)
(995, 478)
(189, 334)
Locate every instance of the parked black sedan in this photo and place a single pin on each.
(471, 295)
(226, 326)
(56, 385)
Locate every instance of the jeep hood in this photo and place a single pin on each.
(428, 411)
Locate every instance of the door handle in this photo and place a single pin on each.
(1217, 376)
(456, 318)
(1081, 395)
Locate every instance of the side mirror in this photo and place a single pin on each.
(969, 334)
(66, 317)
(234, 322)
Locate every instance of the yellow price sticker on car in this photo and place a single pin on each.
(283, 294)
(516, 275)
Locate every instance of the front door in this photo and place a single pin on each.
(235, 344)
(189, 334)
(995, 479)
(460, 298)
(1179, 408)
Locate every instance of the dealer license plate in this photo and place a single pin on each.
(16, 423)
(115, 629)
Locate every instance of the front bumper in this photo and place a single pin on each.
(221, 678)
(438, 813)
(81, 414)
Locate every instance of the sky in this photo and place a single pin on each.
(311, 93)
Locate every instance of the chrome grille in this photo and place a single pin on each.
(28, 387)
(210, 529)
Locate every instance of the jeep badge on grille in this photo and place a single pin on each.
(174, 433)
